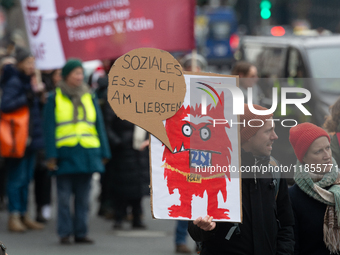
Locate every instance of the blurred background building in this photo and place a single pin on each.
(220, 24)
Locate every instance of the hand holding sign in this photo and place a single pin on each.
(147, 86)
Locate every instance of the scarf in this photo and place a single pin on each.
(314, 185)
(75, 94)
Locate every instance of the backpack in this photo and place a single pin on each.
(14, 133)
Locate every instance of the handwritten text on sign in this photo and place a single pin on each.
(146, 86)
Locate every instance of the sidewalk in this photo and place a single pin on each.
(157, 239)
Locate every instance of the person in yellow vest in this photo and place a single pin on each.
(76, 147)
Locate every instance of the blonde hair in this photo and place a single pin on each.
(333, 120)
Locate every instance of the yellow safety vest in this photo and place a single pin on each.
(69, 134)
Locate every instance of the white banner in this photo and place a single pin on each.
(43, 33)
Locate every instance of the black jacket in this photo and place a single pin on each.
(17, 92)
(130, 167)
(267, 226)
(308, 229)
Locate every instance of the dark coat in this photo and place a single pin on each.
(74, 160)
(308, 229)
(17, 92)
(130, 166)
(267, 226)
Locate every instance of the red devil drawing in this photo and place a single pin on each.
(197, 145)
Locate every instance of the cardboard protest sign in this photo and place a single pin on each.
(194, 152)
(200, 177)
(147, 86)
(92, 29)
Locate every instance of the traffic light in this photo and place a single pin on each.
(278, 31)
(265, 6)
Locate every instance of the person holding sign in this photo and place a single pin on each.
(268, 220)
(76, 147)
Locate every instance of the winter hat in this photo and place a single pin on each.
(70, 66)
(21, 54)
(303, 135)
(248, 131)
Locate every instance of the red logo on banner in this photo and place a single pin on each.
(34, 20)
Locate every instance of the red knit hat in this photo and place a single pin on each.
(248, 131)
(303, 135)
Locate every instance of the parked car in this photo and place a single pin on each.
(308, 62)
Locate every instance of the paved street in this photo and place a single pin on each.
(157, 239)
